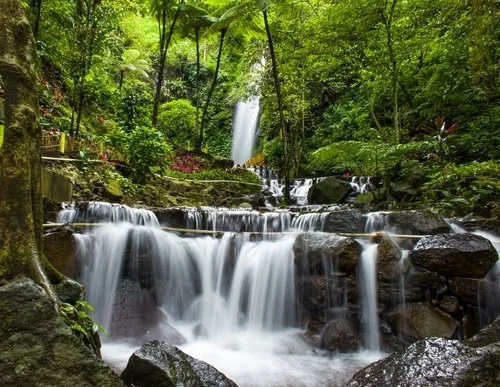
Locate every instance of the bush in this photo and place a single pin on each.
(177, 120)
(147, 152)
(465, 189)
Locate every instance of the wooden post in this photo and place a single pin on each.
(101, 147)
(62, 143)
(2, 129)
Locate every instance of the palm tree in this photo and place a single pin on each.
(132, 63)
(236, 22)
(162, 9)
(194, 19)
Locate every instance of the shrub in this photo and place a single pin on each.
(177, 120)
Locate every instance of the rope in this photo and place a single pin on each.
(214, 232)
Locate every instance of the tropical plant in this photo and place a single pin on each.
(177, 122)
(78, 319)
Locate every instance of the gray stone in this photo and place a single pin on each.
(59, 250)
(434, 362)
(473, 291)
(348, 221)
(70, 291)
(488, 335)
(56, 187)
(322, 253)
(417, 222)
(162, 365)
(328, 191)
(340, 335)
(421, 320)
(453, 255)
(449, 304)
(388, 257)
(38, 349)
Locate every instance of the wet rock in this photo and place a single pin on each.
(112, 190)
(70, 291)
(134, 311)
(318, 293)
(38, 349)
(417, 222)
(449, 304)
(50, 210)
(200, 331)
(455, 255)
(388, 257)
(340, 336)
(328, 191)
(322, 253)
(162, 365)
(487, 336)
(171, 217)
(491, 225)
(347, 221)
(434, 362)
(59, 250)
(421, 320)
(469, 326)
(472, 290)
(164, 332)
(392, 292)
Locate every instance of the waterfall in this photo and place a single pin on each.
(244, 130)
(368, 297)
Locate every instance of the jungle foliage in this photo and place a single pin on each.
(348, 85)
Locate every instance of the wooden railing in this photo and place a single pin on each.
(61, 143)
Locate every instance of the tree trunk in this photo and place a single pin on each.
(163, 60)
(211, 91)
(197, 98)
(20, 159)
(284, 132)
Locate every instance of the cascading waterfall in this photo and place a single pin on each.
(223, 300)
(368, 299)
(244, 130)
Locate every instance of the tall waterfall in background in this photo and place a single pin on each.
(245, 129)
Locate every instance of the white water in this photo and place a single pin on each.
(244, 130)
(241, 294)
(368, 296)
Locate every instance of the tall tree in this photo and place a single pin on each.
(236, 22)
(20, 161)
(194, 20)
(162, 10)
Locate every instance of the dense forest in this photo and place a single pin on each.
(402, 89)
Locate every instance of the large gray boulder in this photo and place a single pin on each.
(455, 255)
(340, 335)
(59, 250)
(328, 191)
(417, 222)
(317, 293)
(321, 253)
(38, 349)
(474, 291)
(488, 335)
(421, 320)
(348, 221)
(161, 364)
(434, 362)
(388, 260)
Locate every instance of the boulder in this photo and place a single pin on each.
(112, 190)
(69, 291)
(38, 349)
(348, 221)
(318, 293)
(388, 257)
(328, 191)
(59, 250)
(455, 255)
(417, 222)
(171, 217)
(340, 335)
(50, 210)
(487, 336)
(434, 362)
(474, 291)
(322, 253)
(449, 304)
(134, 311)
(160, 364)
(421, 320)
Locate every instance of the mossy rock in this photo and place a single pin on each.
(112, 190)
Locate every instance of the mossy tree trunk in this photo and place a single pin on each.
(20, 159)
